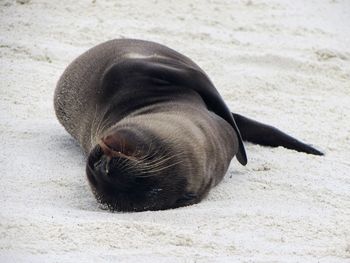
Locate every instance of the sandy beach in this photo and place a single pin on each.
(286, 63)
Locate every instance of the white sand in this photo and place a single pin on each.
(286, 63)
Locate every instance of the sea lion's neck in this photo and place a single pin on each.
(120, 111)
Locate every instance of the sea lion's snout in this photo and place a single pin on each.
(109, 173)
(109, 164)
(108, 161)
(126, 174)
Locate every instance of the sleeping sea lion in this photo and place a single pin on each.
(157, 133)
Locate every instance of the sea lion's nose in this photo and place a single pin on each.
(101, 166)
(110, 173)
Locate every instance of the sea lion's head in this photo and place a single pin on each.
(134, 170)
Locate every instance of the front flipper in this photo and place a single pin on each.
(267, 135)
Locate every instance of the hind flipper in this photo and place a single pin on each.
(259, 133)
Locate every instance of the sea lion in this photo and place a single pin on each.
(157, 133)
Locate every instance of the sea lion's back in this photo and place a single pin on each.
(77, 90)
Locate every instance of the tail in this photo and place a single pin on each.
(259, 133)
